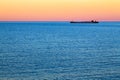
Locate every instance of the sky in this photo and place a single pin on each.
(59, 10)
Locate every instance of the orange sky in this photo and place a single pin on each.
(52, 10)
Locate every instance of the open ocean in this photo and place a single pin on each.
(59, 51)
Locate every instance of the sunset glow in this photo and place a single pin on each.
(59, 10)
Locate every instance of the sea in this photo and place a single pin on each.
(59, 51)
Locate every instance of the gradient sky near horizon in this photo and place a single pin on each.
(58, 10)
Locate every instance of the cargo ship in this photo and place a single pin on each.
(92, 21)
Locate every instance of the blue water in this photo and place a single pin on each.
(59, 51)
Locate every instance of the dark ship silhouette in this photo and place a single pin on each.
(92, 21)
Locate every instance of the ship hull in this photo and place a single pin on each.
(83, 22)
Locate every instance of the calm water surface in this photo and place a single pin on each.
(59, 51)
